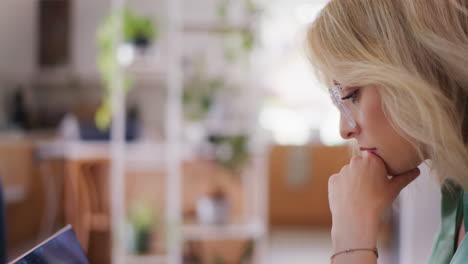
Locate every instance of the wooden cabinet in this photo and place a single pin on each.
(298, 188)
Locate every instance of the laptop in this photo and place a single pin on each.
(62, 247)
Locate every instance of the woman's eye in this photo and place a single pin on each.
(353, 95)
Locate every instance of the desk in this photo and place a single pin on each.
(87, 205)
(16, 166)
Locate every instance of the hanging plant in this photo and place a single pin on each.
(231, 151)
(140, 31)
(198, 94)
(222, 10)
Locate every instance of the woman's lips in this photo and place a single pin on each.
(373, 150)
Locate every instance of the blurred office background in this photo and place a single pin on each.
(195, 134)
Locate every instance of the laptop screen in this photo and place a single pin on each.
(62, 247)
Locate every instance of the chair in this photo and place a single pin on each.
(86, 198)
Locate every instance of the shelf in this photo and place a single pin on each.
(80, 149)
(145, 259)
(216, 28)
(223, 232)
(146, 70)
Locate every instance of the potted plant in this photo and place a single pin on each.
(231, 151)
(138, 31)
(199, 91)
(142, 220)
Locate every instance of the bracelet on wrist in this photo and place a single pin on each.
(376, 252)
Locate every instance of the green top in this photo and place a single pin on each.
(454, 206)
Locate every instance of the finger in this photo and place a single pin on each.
(401, 181)
(332, 179)
(376, 160)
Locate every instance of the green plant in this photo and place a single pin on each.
(133, 28)
(138, 26)
(238, 44)
(218, 259)
(222, 9)
(142, 218)
(251, 6)
(248, 252)
(198, 94)
(232, 151)
(142, 215)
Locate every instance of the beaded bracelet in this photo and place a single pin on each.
(376, 252)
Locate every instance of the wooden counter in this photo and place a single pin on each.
(298, 185)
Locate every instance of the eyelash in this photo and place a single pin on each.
(353, 95)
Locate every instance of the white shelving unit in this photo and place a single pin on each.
(229, 231)
(173, 133)
(117, 153)
(254, 180)
(146, 259)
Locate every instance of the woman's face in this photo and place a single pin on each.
(373, 131)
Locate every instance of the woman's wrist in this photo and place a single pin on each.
(346, 235)
(369, 256)
(352, 242)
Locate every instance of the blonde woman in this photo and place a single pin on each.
(398, 71)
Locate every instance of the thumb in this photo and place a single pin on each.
(401, 181)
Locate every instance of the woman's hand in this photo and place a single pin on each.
(358, 195)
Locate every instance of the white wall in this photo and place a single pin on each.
(86, 16)
(18, 31)
(18, 39)
(419, 218)
(17, 47)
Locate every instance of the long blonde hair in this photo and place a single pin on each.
(416, 53)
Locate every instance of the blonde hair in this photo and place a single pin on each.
(416, 53)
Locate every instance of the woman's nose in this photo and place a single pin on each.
(346, 130)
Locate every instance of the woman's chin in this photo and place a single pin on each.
(393, 170)
(394, 173)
